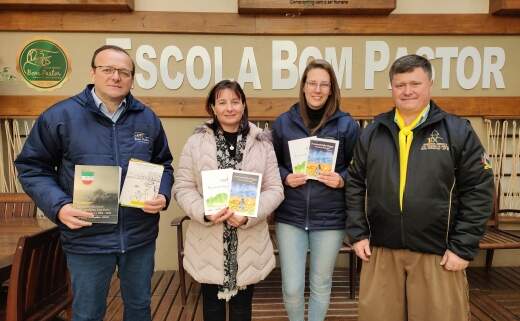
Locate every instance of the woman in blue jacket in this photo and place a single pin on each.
(312, 216)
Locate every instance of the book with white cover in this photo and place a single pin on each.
(299, 152)
(215, 189)
(322, 156)
(245, 193)
(142, 183)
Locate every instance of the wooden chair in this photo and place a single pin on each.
(16, 205)
(39, 283)
(495, 238)
(178, 222)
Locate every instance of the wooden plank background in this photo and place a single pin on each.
(232, 23)
(270, 108)
(65, 5)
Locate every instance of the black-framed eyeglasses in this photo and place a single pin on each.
(109, 71)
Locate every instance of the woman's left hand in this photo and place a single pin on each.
(236, 220)
(331, 179)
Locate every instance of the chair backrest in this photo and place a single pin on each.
(39, 282)
(16, 204)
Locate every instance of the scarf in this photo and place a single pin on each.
(225, 160)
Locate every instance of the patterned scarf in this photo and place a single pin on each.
(225, 160)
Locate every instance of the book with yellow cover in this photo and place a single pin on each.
(322, 156)
(96, 190)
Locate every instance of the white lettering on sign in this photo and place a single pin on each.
(473, 67)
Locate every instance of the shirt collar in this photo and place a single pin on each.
(423, 115)
(99, 103)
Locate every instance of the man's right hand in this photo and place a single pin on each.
(295, 179)
(362, 249)
(68, 215)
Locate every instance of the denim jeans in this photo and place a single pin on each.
(324, 246)
(91, 275)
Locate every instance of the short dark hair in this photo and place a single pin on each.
(110, 47)
(408, 63)
(213, 96)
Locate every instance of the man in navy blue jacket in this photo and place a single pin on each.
(103, 125)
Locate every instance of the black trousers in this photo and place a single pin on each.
(214, 309)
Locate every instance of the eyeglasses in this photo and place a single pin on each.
(317, 85)
(109, 71)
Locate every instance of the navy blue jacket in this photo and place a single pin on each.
(313, 206)
(75, 131)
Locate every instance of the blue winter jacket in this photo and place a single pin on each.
(74, 131)
(314, 206)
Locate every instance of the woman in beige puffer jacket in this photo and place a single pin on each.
(204, 247)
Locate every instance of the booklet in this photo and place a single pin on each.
(245, 193)
(322, 156)
(299, 152)
(96, 190)
(141, 184)
(215, 190)
(238, 190)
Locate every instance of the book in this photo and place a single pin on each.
(238, 190)
(96, 190)
(245, 193)
(215, 190)
(141, 183)
(322, 156)
(299, 153)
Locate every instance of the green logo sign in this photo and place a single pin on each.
(43, 64)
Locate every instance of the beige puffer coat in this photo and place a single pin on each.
(204, 257)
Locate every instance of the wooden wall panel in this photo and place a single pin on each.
(335, 7)
(504, 7)
(231, 23)
(66, 5)
(270, 108)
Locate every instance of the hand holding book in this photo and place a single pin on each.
(74, 218)
(331, 179)
(295, 179)
(155, 205)
(220, 216)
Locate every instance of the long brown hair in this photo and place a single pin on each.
(333, 101)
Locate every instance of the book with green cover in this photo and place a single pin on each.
(215, 190)
(96, 190)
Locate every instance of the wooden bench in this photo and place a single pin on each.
(16, 204)
(178, 224)
(495, 238)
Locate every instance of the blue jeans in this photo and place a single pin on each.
(324, 246)
(91, 275)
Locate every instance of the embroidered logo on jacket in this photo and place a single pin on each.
(486, 162)
(141, 137)
(435, 142)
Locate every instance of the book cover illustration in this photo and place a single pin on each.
(245, 193)
(141, 183)
(299, 152)
(322, 156)
(96, 190)
(215, 190)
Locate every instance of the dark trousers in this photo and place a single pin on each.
(214, 309)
